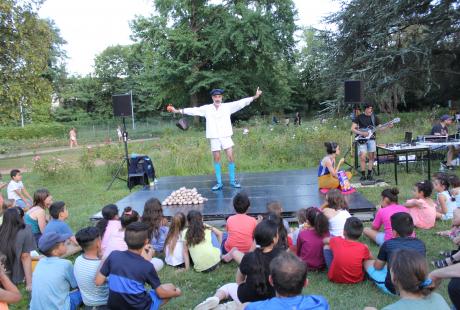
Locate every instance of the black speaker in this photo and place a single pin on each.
(121, 105)
(353, 92)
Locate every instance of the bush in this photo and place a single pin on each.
(50, 167)
(34, 131)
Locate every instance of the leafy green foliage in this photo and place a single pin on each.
(34, 131)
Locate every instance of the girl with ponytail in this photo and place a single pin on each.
(252, 276)
(310, 240)
(109, 224)
(388, 206)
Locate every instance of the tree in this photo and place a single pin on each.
(193, 46)
(401, 49)
(28, 48)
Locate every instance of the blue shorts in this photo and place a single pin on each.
(378, 276)
(380, 238)
(156, 301)
(368, 147)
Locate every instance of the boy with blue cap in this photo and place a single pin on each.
(53, 277)
(219, 130)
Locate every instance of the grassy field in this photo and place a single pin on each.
(265, 148)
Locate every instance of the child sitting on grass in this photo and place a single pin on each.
(86, 267)
(59, 214)
(252, 282)
(446, 202)
(7, 204)
(110, 223)
(203, 242)
(388, 206)
(174, 243)
(129, 271)
(301, 220)
(409, 272)
(17, 191)
(403, 228)
(336, 210)
(422, 208)
(240, 227)
(345, 257)
(53, 277)
(158, 224)
(277, 208)
(310, 239)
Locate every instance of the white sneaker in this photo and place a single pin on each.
(209, 303)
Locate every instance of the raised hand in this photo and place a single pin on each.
(258, 93)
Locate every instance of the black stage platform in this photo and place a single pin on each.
(295, 189)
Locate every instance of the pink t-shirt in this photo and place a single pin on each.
(383, 217)
(113, 226)
(424, 215)
(240, 228)
(116, 243)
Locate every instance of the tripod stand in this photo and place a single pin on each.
(124, 160)
(350, 148)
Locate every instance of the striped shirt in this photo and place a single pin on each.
(85, 272)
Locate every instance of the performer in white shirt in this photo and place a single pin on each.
(219, 130)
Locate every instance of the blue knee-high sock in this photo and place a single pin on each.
(231, 172)
(218, 171)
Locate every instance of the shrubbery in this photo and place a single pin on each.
(34, 131)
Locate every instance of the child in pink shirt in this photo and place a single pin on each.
(109, 224)
(240, 227)
(422, 208)
(388, 206)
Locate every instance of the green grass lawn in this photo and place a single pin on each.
(264, 149)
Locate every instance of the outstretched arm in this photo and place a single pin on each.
(197, 111)
(238, 105)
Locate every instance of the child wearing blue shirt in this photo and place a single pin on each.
(59, 214)
(53, 277)
(129, 271)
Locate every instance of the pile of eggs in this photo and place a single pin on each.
(184, 196)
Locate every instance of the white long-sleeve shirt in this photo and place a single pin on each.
(218, 123)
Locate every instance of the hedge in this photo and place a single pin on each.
(34, 131)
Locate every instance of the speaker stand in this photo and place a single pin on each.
(123, 161)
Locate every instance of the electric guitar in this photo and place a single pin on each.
(371, 130)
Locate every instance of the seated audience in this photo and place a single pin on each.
(277, 208)
(6, 204)
(422, 208)
(59, 214)
(16, 243)
(403, 227)
(158, 224)
(310, 239)
(336, 210)
(86, 267)
(388, 206)
(9, 293)
(174, 243)
(252, 275)
(345, 257)
(409, 272)
(446, 202)
(110, 223)
(240, 227)
(203, 242)
(36, 216)
(53, 277)
(288, 276)
(117, 238)
(301, 220)
(17, 191)
(127, 273)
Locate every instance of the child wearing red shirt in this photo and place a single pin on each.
(240, 227)
(345, 257)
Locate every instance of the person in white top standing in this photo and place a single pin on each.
(17, 191)
(219, 130)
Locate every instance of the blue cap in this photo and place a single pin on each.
(445, 117)
(50, 239)
(217, 91)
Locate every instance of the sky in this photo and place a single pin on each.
(90, 26)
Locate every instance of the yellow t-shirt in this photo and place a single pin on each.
(204, 254)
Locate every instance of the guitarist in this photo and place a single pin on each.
(366, 147)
